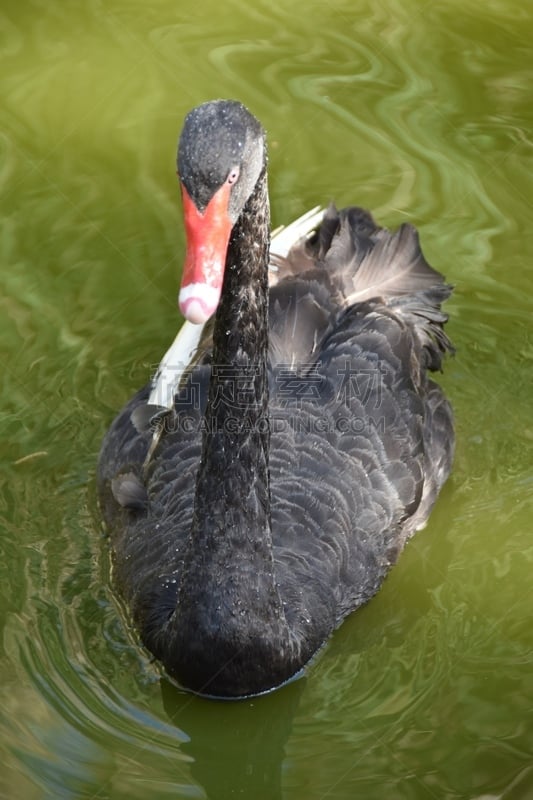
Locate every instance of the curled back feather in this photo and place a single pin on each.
(362, 262)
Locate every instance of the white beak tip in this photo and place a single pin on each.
(198, 302)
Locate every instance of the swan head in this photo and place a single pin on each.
(221, 155)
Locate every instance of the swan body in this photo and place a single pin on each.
(259, 489)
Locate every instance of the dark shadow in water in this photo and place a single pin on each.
(237, 747)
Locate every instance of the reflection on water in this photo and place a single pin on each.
(418, 111)
(255, 733)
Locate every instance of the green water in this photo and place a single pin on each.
(421, 111)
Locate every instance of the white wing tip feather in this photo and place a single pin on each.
(285, 237)
(173, 364)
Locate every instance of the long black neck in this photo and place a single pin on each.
(230, 621)
(233, 482)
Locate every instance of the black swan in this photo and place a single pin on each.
(303, 443)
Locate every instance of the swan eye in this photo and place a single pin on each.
(233, 175)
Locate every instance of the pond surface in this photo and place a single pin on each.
(421, 111)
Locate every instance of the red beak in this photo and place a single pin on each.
(207, 237)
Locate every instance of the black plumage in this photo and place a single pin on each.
(306, 444)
